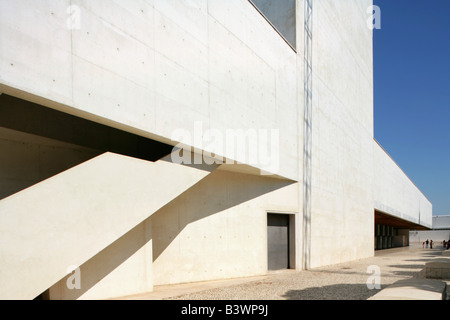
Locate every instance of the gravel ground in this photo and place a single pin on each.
(347, 281)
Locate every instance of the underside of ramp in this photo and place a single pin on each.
(69, 218)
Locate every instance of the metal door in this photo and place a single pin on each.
(278, 241)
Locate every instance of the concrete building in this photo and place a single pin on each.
(152, 142)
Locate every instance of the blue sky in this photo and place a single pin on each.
(412, 92)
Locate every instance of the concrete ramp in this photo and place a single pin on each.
(438, 268)
(413, 289)
(69, 218)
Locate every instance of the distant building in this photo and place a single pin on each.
(439, 232)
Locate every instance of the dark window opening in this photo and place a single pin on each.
(281, 14)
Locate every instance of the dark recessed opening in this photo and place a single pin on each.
(28, 117)
(281, 14)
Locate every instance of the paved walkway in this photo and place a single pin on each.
(347, 281)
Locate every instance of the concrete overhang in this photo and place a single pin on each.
(396, 222)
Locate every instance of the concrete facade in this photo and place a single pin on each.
(342, 133)
(396, 194)
(196, 75)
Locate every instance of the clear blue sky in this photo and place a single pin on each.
(412, 92)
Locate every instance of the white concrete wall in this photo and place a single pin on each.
(441, 222)
(395, 193)
(342, 124)
(215, 230)
(218, 228)
(70, 218)
(123, 268)
(152, 67)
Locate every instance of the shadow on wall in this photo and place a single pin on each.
(332, 292)
(102, 264)
(219, 191)
(282, 15)
(212, 195)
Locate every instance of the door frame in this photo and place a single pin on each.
(292, 235)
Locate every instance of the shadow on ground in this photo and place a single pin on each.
(432, 253)
(332, 292)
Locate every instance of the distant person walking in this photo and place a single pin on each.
(448, 244)
(431, 244)
(427, 242)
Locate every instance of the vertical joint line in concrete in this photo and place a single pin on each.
(307, 136)
(71, 59)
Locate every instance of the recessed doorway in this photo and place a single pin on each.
(278, 241)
